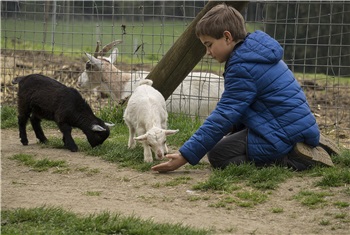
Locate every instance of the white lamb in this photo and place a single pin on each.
(146, 115)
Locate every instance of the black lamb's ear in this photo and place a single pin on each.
(109, 124)
(96, 127)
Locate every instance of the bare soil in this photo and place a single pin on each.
(92, 185)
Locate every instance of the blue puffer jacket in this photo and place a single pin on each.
(262, 94)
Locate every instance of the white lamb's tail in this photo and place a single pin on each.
(146, 82)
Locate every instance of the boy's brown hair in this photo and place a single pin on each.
(219, 19)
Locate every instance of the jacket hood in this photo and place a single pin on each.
(258, 47)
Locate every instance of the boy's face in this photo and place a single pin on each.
(219, 49)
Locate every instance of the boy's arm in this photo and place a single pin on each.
(240, 92)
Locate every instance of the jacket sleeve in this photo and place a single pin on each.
(239, 93)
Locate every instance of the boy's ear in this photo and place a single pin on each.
(227, 35)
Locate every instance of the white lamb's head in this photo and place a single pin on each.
(156, 139)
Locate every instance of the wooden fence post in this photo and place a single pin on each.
(184, 55)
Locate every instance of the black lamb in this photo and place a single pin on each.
(41, 97)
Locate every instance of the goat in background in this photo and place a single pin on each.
(196, 95)
(101, 75)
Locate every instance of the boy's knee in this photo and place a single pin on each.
(214, 160)
(220, 161)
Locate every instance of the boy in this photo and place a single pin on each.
(263, 116)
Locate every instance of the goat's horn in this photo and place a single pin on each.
(96, 54)
(109, 46)
(94, 61)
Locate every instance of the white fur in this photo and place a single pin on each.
(147, 117)
(198, 94)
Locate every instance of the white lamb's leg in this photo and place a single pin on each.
(165, 148)
(147, 153)
(132, 142)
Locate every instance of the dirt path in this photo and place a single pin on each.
(145, 194)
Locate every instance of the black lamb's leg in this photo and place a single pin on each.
(24, 112)
(35, 121)
(22, 123)
(67, 137)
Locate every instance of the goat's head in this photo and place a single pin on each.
(98, 132)
(156, 139)
(99, 66)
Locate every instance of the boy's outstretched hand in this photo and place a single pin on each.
(176, 160)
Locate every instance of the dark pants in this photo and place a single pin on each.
(232, 149)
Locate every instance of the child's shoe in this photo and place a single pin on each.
(315, 155)
(328, 145)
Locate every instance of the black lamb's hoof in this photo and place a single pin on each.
(74, 149)
(44, 141)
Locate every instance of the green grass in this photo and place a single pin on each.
(277, 210)
(250, 198)
(115, 149)
(334, 177)
(93, 193)
(8, 117)
(259, 178)
(157, 36)
(312, 199)
(88, 171)
(78, 37)
(178, 180)
(338, 176)
(242, 198)
(50, 220)
(38, 165)
(342, 204)
(73, 39)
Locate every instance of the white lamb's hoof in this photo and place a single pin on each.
(131, 146)
(148, 160)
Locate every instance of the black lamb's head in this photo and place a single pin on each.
(97, 134)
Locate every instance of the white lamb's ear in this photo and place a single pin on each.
(170, 132)
(96, 127)
(141, 137)
(109, 124)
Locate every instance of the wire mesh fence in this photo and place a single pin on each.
(52, 37)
